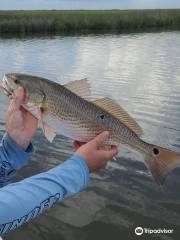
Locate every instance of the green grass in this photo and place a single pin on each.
(98, 21)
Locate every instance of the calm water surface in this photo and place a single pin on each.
(140, 71)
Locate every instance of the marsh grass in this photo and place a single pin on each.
(77, 21)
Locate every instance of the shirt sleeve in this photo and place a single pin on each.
(12, 158)
(22, 201)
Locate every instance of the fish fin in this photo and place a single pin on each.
(80, 88)
(48, 131)
(112, 107)
(161, 162)
(39, 96)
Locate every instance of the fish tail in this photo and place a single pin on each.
(161, 162)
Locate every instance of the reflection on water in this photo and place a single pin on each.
(142, 72)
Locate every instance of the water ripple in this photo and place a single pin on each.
(142, 73)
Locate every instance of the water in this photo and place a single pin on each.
(140, 71)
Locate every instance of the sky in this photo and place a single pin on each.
(87, 4)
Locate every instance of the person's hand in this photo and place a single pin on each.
(94, 153)
(21, 125)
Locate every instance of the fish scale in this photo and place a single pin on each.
(71, 112)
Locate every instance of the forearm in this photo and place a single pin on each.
(12, 158)
(23, 201)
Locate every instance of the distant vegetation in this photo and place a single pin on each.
(98, 21)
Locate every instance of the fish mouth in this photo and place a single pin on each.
(7, 89)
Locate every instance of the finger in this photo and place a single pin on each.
(113, 152)
(114, 147)
(110, 153)
(100, 139)
(18, 99)
(105, 147)
(23, 110)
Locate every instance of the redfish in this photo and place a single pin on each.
(68, 110)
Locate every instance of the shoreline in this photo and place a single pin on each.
(88, 21)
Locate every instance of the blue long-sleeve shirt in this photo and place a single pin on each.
(22, 201)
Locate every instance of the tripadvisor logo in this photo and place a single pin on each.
(139, 231)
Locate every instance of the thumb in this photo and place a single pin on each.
(18, 99)
(100, 139)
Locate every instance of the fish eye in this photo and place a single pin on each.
(102, 116)
(16, 81)
(156, 151)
